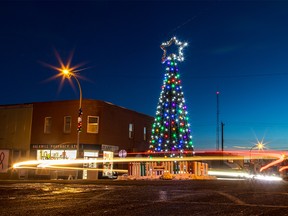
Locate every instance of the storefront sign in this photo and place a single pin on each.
(63, 146)
(54, 146)
(40, 146)
(4, 156)
(110, 148)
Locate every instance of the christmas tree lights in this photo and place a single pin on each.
(171, 134)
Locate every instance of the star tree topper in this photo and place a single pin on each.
(180, 45)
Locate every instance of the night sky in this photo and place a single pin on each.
(236, 47)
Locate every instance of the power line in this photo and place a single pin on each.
(236, 76)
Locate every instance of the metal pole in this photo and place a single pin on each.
(217, 117)
(222, 137)
(252, 169)
(79, 117)
(250, 151)
(80, 91)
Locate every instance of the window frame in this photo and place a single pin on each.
(145, 133)
(89, 125)
(65, 124)
(131, 130)
(47, 125)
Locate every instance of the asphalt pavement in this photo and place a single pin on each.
(144, 197)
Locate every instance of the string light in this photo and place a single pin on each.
(173, 56)
(171, 114)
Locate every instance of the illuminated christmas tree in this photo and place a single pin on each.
(171, 134)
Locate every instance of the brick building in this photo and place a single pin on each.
(48, 130)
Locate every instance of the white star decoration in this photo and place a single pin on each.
(178, 57)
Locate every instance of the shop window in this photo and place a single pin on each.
(144, 134)
(131, 128)
(93, 124)
(67, 124)
(47, 125)
(52, 154)
(108, 166)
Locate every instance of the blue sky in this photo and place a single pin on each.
(236, 47)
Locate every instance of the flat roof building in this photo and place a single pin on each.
(48, 130)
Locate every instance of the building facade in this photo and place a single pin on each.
(48, 130)
(15, 135)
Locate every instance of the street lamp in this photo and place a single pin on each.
(259, 145)
(68, 73)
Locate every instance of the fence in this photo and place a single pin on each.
(138, 169)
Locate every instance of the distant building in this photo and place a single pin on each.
(48, 130)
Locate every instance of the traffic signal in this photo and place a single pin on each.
(79, 127)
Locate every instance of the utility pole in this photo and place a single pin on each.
(217, 120)
(222, 137)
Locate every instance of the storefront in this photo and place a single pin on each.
(54, 152)
(69, 152)
(91, 156)
(108, 154)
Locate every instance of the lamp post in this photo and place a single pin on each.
(259, 145)
(68, 74)
(68, 71)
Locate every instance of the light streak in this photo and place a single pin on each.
(243, 175)
(49, 163)
(239, 174)
(227, 155)
(281, 159)
(283, 168)
(267, 178)
(43, 164)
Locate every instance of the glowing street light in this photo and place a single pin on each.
(67, 72)
(260, 146)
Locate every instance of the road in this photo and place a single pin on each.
(144, 197)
